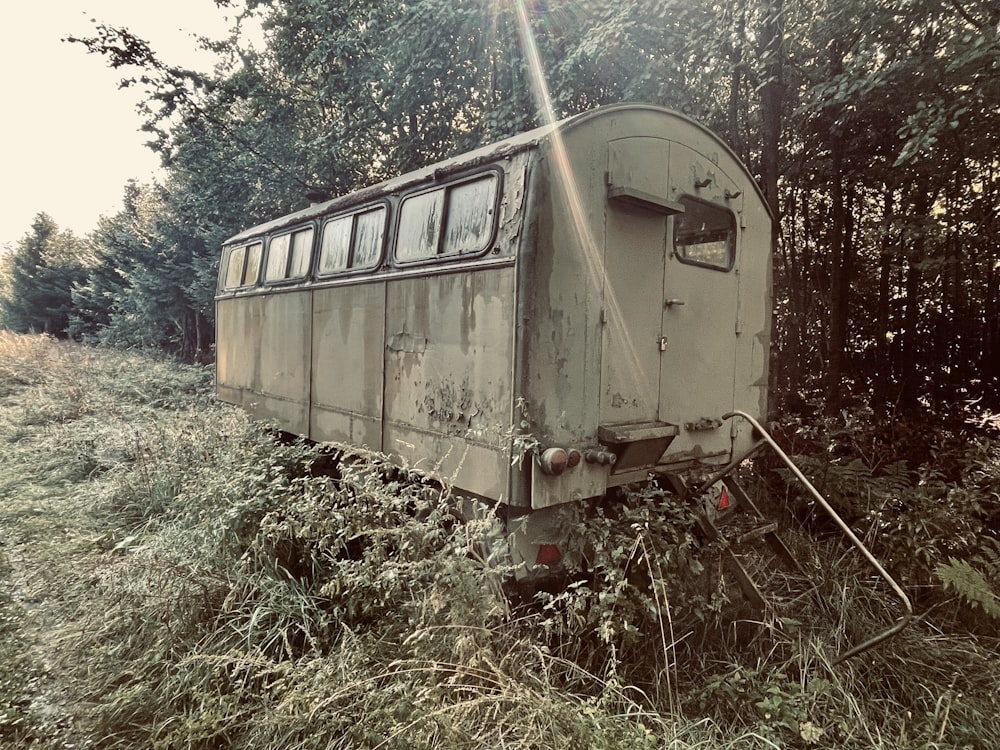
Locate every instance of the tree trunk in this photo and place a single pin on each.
(910, 345)
(840, 280)
(771, 103)
(908, 376)
(882, 367)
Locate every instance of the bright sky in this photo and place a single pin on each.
(69, 137)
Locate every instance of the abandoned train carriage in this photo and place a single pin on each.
(605, 278)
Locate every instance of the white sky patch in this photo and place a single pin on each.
(69, 137)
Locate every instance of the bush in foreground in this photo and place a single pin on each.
(253, 593)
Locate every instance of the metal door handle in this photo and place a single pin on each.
(672, 302)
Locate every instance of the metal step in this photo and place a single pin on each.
(761, 529)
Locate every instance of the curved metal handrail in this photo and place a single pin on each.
(866, 553)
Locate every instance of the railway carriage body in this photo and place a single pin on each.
(598, 288)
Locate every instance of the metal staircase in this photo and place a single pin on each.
(735, 498)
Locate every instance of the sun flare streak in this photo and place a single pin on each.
(581, 222)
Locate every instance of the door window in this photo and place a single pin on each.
(705, 235)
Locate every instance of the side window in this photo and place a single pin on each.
(453, 220)
(352, 242)
(277, 258)
(298, 264)
(369, 234)
(288, 256)
(234, 271)
(705, 235)
(420, 226)
(252, 272)
(242, 266)
(470, 216)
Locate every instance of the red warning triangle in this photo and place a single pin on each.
(723, 499)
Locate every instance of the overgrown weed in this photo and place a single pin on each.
(236, 591)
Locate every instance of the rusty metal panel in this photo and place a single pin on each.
(583, 482)
(238, 327)
(561, 272)
(448, 375)
(282, 375)
(347, 357)
(262, 356)
(635, 239)
(753, 344)
(698, 366)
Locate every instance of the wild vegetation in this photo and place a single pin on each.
(175, 577)
(871, 125)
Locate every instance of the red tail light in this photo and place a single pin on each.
(554, 461)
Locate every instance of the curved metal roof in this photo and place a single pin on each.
(483, 155)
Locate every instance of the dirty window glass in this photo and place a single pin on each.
(234, 271)
(277, 258)
(336, 244)
(242, 266)
(368, 238)
(470, 216)
(367, 229)
(288, 256)
(705, 235)
(253, 263)
(420, 225)
(301, 253)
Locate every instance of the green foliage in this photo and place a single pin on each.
(224, 589)
(36, 278)
(932, 524)
(648, 582)
(972, 585)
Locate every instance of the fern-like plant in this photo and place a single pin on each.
(970, 585)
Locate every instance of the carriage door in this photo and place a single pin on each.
(670, 294)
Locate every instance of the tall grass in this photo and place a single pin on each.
(238, 591)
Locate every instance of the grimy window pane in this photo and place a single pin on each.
(253, 264)
(301, 253)
(420, 226)
(368, 238)
(277, 258)
(336, 243)
(234, 271)
(470, 216)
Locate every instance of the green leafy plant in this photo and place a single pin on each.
(971, 585)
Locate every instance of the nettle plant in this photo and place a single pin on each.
(645, 578)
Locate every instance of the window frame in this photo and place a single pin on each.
(230, 251)
(290, 233)
(354, 213)
(730, 244)
(441, 257)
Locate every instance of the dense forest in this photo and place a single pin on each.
(873, 128)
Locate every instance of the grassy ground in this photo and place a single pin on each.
(173, 578)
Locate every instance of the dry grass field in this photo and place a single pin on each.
(174, 577)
